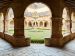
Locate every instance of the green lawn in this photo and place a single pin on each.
(36, 34)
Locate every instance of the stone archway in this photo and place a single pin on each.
(1, 22)
(41, 24)
(9, 22)
(30, 24)
(46, 24)
(73, 22)
(34, 13)
(56, 8)
(66, 22)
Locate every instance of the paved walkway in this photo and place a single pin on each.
(36, 50)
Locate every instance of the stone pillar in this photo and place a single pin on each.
(27, 24)
(6, 25)
(56, 38)
(38, 24)
(32, 24)
(49, 24)
(19, 26)
(35, 24)
(20, 39)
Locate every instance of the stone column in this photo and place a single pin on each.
(56, 37)
(35, 24)
(32, 24)
(20, 39)
(49, 24)
(38, 24)
(6, 25)
(56, 27)
(27, 24)
(19, 27)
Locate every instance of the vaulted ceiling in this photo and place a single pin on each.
(4, 3)
(70, 3)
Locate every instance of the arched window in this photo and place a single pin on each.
(46, 24)
(41, 24)
(66, 23)
(30, 24)
(1, 22)
(73, 22)
(9, 22)
(37, 13)
(25, 23)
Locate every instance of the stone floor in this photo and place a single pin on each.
(36, 50)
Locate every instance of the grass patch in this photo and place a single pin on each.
(36, 35)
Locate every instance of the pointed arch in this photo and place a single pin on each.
(30, 24)
(45, 24)
(1, 22)
(9, 22)
(41, 24)
(73, 22)
(66, 22)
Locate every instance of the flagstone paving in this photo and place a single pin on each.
(36, 50)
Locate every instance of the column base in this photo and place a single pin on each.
(21, 42)
(53, 42)
(47, 41)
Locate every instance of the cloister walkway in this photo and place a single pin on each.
(36, 50)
